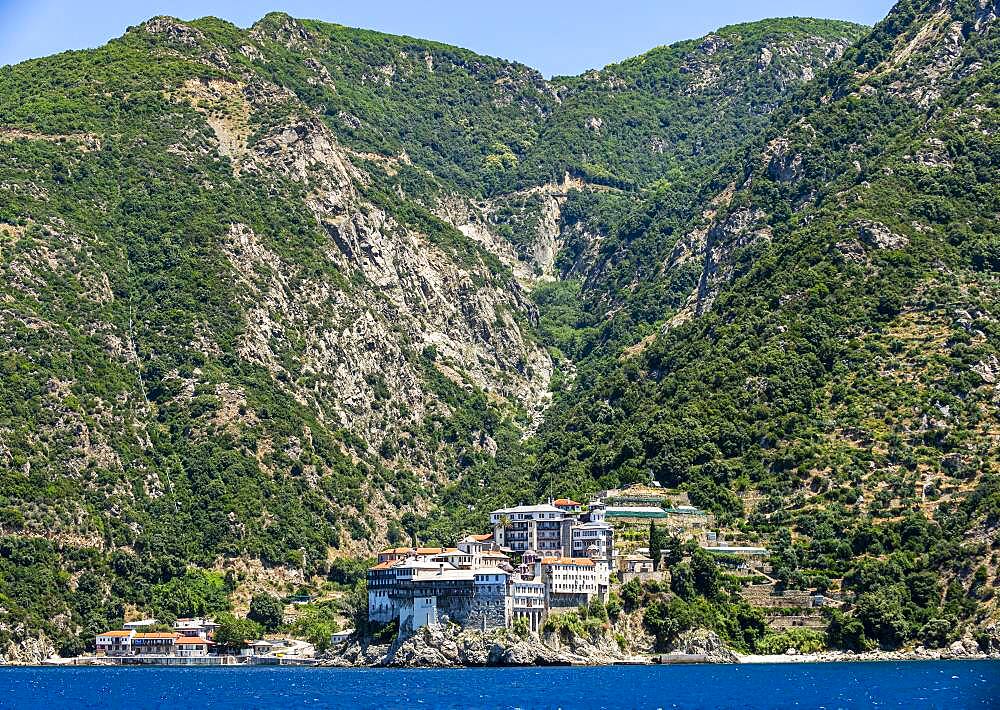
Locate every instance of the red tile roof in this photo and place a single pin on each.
(192, 641)
(116, 634)
(482, 538)
(565, 501)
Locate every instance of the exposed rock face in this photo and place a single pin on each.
(31, 650)
(700, 642)
(989, 638)
(716, 247)
(342, 330)
(413, 296)
(534, 215)
(879, 236)
(784, 167)
(174, 31)
(452, 647)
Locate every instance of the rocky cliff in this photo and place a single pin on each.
(452, 647)
(287, 293)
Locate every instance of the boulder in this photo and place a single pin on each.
(701, 642)
(877, 235)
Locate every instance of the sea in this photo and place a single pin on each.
(953, 685)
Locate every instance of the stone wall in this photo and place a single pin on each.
(487, 614)
(456, 608)
(658, 576)
(764, 595)
(567, 601)
(796, 621)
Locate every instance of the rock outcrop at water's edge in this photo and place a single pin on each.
(451, 647)
(705, 644)
(29, 652)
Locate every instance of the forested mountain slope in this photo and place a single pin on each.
(832, 369)
(279, 295)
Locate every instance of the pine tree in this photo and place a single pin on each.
(655, 544)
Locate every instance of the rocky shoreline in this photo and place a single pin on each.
(456, 648)
(451, 647)
(958, 651)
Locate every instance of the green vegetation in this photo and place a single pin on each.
(837, 368)
(645, 119)
(197, 593)
(697, 601)
(235, 631)
(266, 610)
(778, 293)
(802, 640)
(316, 623)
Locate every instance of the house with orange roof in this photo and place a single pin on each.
(393, 554)
(565, 561)
(192, 646)
(571, 582)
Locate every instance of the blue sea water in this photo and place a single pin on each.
(825, 686)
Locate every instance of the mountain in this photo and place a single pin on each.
(276, 296)
(830, 371)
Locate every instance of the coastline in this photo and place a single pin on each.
(453, 647)
(831, 657)
(868, 657)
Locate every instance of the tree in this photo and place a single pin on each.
(354, 605)
(266, 610)
(631, 594)
(234, 631)
(936, 633)
(597, 610)
(614, 606)
(784, 560)
(409, 522)
(655, 544)
(348, 570)
(674, 551)
(881, 613)
(316, 623)
(845, 632)
(196, 593)
(705, 574)
(682, 581)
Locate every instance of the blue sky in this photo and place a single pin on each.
(554, 36)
